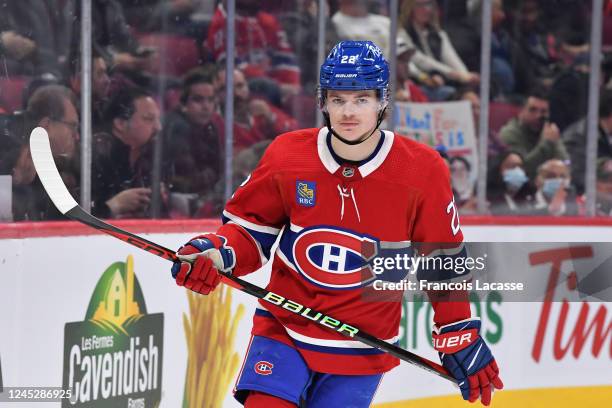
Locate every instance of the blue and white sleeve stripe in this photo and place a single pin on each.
(263, 235)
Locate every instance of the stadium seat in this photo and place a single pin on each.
(11, 92)
(500, 113)
(180, 53)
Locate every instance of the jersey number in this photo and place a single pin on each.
(455, 219)
(348, 59)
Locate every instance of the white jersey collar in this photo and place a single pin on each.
(366, 168)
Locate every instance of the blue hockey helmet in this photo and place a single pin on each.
(353, 66)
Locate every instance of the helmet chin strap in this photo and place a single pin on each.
(362, 138)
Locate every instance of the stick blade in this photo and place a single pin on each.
(47, 171)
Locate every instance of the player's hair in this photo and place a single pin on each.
(122, 104)
(200, 75)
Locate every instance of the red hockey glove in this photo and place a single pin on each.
(201, 258)
(465, 354)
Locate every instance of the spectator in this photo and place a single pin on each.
(508, 188)
(574, 138)
(435, 54)
(247, 160)
(353, 21)
(407, 90)
(508, 66)
(122, 156)
(464, 32)
(563, 14)
(463, 185)
(604, 187)
(100, 83)
(300, 24)
(569, 91)
(262, 49)
(532, 135)
(192, 138)
(112, 39)
(35, 36)
(553, 196)
(254, 118)
(172, 16)
(53, 108)
(536, 43)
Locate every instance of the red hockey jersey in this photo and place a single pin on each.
(325, 210)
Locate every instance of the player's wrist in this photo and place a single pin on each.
(212, 246)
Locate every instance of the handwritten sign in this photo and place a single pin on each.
(449, 124)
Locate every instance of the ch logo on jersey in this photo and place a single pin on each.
(334, 258)
(305, 193)
(263, 367)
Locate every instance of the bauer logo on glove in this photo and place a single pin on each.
(468, 358)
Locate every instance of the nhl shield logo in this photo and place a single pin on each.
(305, 193)
(348, 172)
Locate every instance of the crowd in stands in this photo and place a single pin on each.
(158, 72)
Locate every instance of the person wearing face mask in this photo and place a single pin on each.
(553, 195)
(509, 190)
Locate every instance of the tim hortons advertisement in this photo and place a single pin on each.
(551, 352)
(115, 352)
(114, 357)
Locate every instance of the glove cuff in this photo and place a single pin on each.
(228, 256)
(454, 337)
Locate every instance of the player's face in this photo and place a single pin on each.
(352, 113)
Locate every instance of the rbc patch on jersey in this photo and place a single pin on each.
(305, 193)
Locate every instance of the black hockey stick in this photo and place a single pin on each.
(57, 191)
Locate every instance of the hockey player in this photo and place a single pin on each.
(326, 191)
